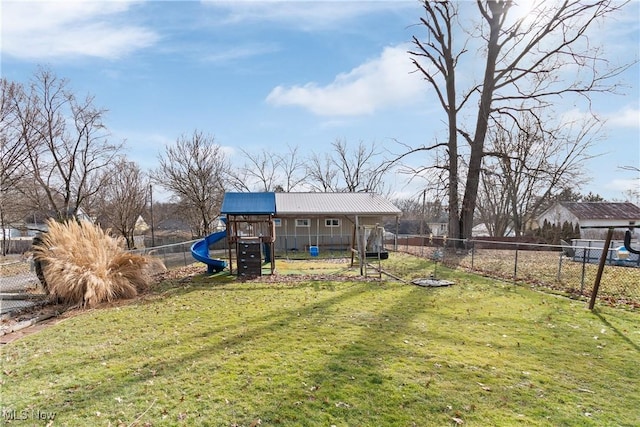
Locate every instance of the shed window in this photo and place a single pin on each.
(332, 222)
(303, 222)
(277, 222)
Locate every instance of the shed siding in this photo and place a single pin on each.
(289, 237)
(592, 214)
(557, 214)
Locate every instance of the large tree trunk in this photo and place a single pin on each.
(482, 122)
(452, 147)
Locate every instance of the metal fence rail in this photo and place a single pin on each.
(569, 269)
(20, 287)
(549, 266)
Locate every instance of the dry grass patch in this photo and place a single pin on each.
(83, 265)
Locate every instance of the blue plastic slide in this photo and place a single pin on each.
(200, 251)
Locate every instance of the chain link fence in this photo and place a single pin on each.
(567, 268)
(20, 288)
(19, 285)
(173, 255)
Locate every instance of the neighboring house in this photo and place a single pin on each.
(303, 220)
(10, 233)
(37, 222)
(591, 214)
(481, 230)
(438, 226)
(81, 215)
(141, 226)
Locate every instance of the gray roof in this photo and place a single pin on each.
(603, 210)
(334, 204)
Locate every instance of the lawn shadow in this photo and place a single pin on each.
(618, 332)
(357, 364)
(236, 336)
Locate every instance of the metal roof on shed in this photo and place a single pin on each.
(334, 204)
(603, 210)
(249, 204)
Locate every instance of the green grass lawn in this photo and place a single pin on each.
(347, 352)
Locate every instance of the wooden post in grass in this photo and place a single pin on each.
(603, 260)
(353, 244)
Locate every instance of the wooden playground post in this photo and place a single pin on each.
(603, 260)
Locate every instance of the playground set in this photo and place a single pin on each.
(250, 233)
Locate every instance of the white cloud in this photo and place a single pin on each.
(621, 186)
(308, 15)
(240, 52)
(45, 30)
(385, 81)
(628, 117)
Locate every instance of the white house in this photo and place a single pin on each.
(592, 214)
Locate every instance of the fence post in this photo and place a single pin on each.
(515, 265)
(559, 275)
(603, 260)
(184, 256)
(584, 261)
(473, 253)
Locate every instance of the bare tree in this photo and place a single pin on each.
(269, 171)
(526, 164)
(524, 57)
(124, 199)
(67, 145)
(12, 148)
(196, 171)
(418, 213)
(345, 170)
(13, 156)
(261, 169)
(323, 176)
(293, 169)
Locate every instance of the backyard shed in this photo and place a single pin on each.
(327, 221)
(591, 214)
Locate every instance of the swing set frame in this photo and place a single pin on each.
(603, 256)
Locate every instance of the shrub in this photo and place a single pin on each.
(81, 264)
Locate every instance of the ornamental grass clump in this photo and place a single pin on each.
(81, 264)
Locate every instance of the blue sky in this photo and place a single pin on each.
(267, 75)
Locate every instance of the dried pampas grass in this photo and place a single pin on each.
(83, 265)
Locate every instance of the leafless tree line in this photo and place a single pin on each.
(58, 161)
(198, 171)
(498, 108)
(58, 158)
(56, 153)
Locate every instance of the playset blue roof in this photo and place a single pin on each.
(249, 204)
